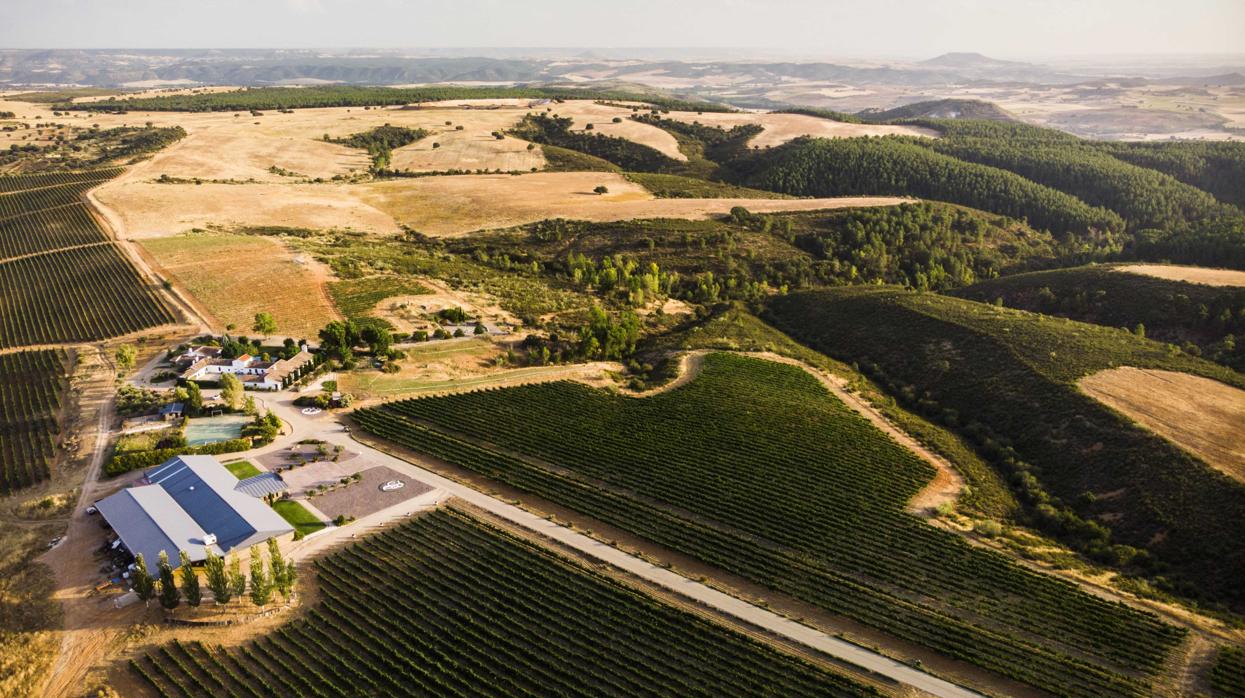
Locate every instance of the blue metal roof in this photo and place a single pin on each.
(204, 489)
(262, 485)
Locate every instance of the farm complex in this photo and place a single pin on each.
(319, 386)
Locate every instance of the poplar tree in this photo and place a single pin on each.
(261, 585)
(170, 597)
(237, 582)
(276, 563)
(144, 584)
(217, 578)
(190, 581)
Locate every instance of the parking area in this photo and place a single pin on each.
(365, 496)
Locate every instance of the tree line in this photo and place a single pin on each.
(225, 580)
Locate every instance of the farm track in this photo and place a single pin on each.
(85, 634)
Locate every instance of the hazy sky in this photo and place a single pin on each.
(917, 28)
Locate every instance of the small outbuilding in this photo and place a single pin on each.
(172, 411)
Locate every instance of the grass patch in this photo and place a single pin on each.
(242, 469)
(237, 276)
(303, 521)
(357, 297)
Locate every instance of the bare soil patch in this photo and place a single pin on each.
(236, 276)
(449, 206)
(1193, 275)
(780, 128)
(1201, 415)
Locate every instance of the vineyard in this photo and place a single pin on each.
(77, 295)
(61, 279)
(756, 469)
(50, 229)
(1061, 449)
(35, 181)
(454, 607)
(1228, 674)
(32, 384)
(26, 201)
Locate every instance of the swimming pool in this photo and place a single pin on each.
(206, 430)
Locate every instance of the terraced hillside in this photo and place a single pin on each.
(1006, 379)
(32, 385)
(62, 279)
(1183, 313)
(754, 468)
(455, 607)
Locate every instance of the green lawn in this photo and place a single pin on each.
(242, 469)
(303, 521)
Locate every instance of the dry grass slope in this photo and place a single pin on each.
(1198, 414)
(1193, 275)
(237, 276)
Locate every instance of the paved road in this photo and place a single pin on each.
(326, 428)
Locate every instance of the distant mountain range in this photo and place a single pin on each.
(117, 68)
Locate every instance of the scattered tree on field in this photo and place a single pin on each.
(190, 581)
(265, 324)
(170, 597)
(601, 189)
(125, 357)
(144, 584)
(237, 581)
(261, 584)
(217, 577)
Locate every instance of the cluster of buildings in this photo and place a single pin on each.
(205, 363)
(193, 503)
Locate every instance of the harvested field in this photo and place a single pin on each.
(467, 150)
(236, 276)
(448, 206)
(780, 128)
(1198, 414)
(239, 152)
(145, 210)
(1193, 275)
